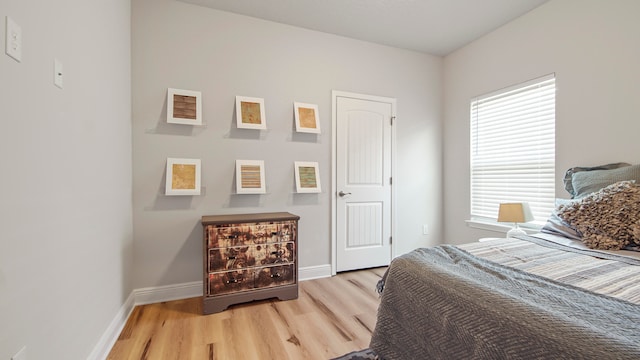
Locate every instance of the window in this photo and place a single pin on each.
(513, 149)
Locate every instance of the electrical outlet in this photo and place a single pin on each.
(425, 229)
(13, 43)
(20, 355)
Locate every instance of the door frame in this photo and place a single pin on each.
(334, 163)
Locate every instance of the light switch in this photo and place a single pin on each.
(13, 43)
(57, 73)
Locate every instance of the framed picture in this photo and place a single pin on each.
(307, 119)
(250, 177)
(307, 177)
(183, 177)
(184, 107)
(250, 113)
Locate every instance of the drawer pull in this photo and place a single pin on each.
(231, 257)
(276, 275)
(279, 253)
(232, 281)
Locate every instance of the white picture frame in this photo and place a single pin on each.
(306, 117)
(250, 178)
(250, 113)
(184, 107)
(183, 176)
(307, 174)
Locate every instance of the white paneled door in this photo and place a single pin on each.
(363, 193)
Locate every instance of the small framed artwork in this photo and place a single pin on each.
(183, 177)
(184, 107)
(250, 177)
(250, 113)
(307, 119)
(307, 177)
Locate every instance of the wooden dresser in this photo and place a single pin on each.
(249, 257)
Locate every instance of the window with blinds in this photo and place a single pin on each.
(513, 149)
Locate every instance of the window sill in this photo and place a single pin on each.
(530, 228)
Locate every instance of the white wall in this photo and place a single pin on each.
(65, 214)
(185, 46)
(592, 47)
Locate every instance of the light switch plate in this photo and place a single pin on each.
(13, 41)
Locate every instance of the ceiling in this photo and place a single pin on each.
(436, 27)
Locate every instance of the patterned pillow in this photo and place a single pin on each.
(608, 219)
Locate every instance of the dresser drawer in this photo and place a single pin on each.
(223, 237)
(228, 235)
(221, 259)
(230, 281)
(270, 276)
(230, 258)
(280, 253)
(225, 282)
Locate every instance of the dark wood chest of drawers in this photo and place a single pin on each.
(249, 257)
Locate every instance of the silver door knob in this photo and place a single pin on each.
(342, 193)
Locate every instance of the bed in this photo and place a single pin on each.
(571, 291)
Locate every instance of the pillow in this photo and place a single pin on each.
(608, 219)
(555, 225)
(568, 185)
(586, 182)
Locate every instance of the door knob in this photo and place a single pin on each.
(342, 193)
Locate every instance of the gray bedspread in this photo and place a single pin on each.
(444, 303)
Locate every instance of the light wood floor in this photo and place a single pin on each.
(331, 317)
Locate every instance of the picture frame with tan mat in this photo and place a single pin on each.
(306, 117)
(183, 176)
(250, 113)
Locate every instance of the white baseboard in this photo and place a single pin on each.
(314, 272)
(108, 339)
(156, 294)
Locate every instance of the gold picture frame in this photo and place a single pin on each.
(306, 117)
(307, 175)
(250, 113)
(250, 177)
(183, 177)
(184, 107)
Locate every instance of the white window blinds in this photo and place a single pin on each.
(513, 149)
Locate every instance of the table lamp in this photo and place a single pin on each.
(515, 213)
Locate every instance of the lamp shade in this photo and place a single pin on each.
(515, 213)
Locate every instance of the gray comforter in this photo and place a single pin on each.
(444, 303)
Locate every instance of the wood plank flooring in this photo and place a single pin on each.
(331, 317)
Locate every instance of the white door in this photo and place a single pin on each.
(363, 196)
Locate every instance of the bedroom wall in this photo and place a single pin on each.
(591, 46)
(66, 228)
(223, 55)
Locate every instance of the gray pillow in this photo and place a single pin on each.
(555, 225)
(568, 185)
(587, 182)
